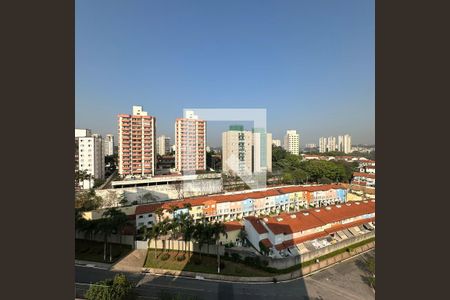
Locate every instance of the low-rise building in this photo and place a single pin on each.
(364, 179)
(287, 233)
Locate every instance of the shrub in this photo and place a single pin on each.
(134, 202)
(118, 288)
(165, 256)
(222, 265)
(238, 270)
(265, 263)
(274, 280)
(235, 256)
(197, 260)
(181, 257)
(226, 254)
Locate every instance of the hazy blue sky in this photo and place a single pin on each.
(311, 64)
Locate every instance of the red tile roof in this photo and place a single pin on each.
(290, 225)
(367, 175)
(233, 225)
(256, 223)
(147, 208)
(315, 219)
(346, 211)
(267, 243)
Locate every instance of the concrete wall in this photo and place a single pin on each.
(179, 245)
(114, 238)
(163, 192)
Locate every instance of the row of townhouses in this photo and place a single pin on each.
(229, 207)
(297, 233)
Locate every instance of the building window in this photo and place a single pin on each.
(140, 217)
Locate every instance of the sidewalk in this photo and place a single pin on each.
(133, 262)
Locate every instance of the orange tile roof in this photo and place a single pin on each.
(314, 219)
(233, 225)
(359, 174)
(346, 211)
(267, 243)
(256, 223)
(147, 208)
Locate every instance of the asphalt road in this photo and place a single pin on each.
(342, 281)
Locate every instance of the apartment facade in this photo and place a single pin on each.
(237, 151)
(136, 147)
(276, 143)
(262, 151)
(190, 143)
(292, 142)
(89, 155)
(344, 143)
(108, 144)
(163, 145)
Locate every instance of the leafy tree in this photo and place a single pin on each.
(118, 288)
(87, 200)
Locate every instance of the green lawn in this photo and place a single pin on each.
(93, 250)
(208, 264)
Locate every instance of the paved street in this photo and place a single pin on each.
(342, 281)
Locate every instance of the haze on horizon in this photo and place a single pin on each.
(311, 64)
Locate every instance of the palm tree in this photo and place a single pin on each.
(187, 228)
(218, 229)
(105, 227)
(164, 227)
(153, 233)
(242, 236)
(199, 235)
(159, 212)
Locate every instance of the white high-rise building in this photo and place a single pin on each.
(163, 145)
(89, 156)
(331, 144)
(292, 142)
(108, 145)
(262, 151)
(347, 144)
(322, 145)
(237, 151)
(276, 143)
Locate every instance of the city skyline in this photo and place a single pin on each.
(309, 64)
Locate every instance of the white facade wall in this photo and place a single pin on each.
(91, 156)
(147, 219)
(237, 152)
(252, 235)
(108, 145)
(258, 151)
(292, 142)
(276, 143)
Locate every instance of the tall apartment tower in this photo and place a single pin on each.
(331, 144)
(108, 145)
(292, 142)
(322, 145)
(262, 151)
(89, 155)
(237, 151)
(163, 145)
(347, 144)
(136, 147)
(190, 143)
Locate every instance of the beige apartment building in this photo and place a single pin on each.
(136, 146)
(292, 142)
(237, 151)
(190, 143)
